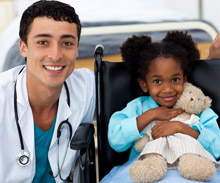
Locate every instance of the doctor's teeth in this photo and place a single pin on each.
(53, 68)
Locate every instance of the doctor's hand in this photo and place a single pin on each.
(214, 50)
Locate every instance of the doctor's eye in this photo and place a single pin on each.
(42, 42)
(67, 43)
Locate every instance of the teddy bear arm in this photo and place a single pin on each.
(140, 144)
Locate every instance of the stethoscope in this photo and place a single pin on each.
(23, 158)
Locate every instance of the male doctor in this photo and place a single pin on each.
(38, 97)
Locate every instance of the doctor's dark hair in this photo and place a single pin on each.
(138, 52)
(52, 9)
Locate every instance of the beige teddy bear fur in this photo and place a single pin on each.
(192, 101)
(153, 167)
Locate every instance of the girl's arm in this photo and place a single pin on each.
(206, 131)
(166, 128)
(209, 130)
(122, 129)
(126, 126)
(159, 113)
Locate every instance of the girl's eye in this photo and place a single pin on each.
(157, 81)
(175, 80)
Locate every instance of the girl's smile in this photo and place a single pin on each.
(168, 98)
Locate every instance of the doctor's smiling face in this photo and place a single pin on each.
(51, 50)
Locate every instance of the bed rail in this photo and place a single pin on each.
(151, 27)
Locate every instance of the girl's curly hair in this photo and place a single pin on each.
(139, 51)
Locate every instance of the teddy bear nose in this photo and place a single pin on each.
(191, 99)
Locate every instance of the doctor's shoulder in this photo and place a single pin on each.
(10, 76)
(83, 78)
(7, 84)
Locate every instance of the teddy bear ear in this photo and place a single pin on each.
(187, 84)
(207, 102)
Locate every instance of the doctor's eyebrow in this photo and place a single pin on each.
(43, 35)
(50, 36)
(68, 36)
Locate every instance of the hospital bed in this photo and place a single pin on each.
(112, 37)
(93, 15)
(105, 23)
(112, 34)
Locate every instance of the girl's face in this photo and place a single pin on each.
(164, 81)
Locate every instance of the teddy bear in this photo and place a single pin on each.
(165, 152)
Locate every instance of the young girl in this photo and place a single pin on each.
(161, 70)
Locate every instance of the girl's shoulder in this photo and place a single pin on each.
(140, 100)
(208, 114)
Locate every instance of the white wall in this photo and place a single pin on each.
(211, 12)
(210, 9)
(189, 7)
(6, 14)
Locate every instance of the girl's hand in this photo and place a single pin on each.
(166, 128)
(165, 113)
(159, 113)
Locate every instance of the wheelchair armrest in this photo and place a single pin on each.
(84, 168)
(82, 137)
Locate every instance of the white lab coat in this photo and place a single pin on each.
(82, 105)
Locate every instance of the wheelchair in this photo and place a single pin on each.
(115, 88)
(84, 168)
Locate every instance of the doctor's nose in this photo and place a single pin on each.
(55, 52)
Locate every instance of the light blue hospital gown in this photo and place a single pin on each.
(123, 129)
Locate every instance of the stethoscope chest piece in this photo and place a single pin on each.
(23, 158)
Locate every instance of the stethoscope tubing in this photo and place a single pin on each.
(58, 130)
(16, 118)
(58, 162)
(16, 114)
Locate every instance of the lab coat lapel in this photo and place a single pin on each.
(63, 113)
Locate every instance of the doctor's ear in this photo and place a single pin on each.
(23, 48)
(143, 85)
